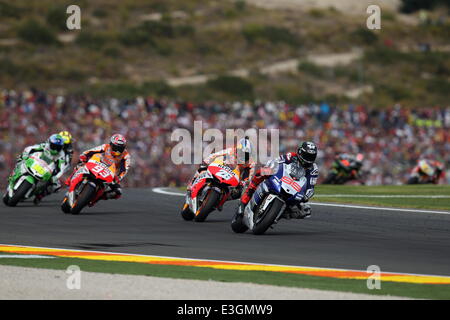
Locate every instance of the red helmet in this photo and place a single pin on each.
(118, 144)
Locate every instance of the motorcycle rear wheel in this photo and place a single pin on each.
(413, 180)
(330, 179)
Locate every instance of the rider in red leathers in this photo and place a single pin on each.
(427, 171)
(115, 151)
(239, 156)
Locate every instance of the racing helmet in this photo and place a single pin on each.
(307, 153)
(55, 144)
(425, 167)
(244, 150)
(359, 160)
(67, 137)
(118, 144)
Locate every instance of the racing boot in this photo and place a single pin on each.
(101, 195)
(236, 193)
(239, 210)
(305, 211)
(38, 198)
(237, 224)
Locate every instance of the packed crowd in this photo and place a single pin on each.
(392, 139)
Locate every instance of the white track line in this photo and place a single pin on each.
(212, 260)
(24, 256)
(172, 193)
(378, 208)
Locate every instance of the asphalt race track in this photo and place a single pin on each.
(145, 222)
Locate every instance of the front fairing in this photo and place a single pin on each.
(40, 166)
(291, 187)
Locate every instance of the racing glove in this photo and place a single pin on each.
(83, 159)
(116, 190)
(300, 211)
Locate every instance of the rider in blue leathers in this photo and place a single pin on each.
(305, 156)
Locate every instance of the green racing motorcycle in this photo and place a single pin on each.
(29, 178)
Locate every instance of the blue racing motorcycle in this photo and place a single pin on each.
(274, 198)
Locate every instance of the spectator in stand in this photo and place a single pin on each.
(392, 139)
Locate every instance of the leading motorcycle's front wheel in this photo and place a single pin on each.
(265, 219)
(209, 203)
(86, 195)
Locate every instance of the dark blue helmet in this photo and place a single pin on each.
(55, 144)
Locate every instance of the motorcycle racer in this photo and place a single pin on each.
(305, 156)
(115, 151)
(68, 148)
(427, 171)
(53, 148)
(345, 167)
(240, 157)
(55, 184)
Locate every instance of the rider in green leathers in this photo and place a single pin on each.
(53, 148)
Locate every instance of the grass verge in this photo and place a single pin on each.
(325, 194)
(426, 291)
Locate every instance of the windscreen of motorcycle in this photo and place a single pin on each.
(101, 170)
(39, 168)
(293, 179)
(270, 168)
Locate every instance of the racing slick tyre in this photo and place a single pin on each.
(208, 204)
(413, 180)
(20, 193)
(187, 213)
(263, 222)
(5, 198)
(83, 199)
(65, 206)
(237, 225)
(330, 179)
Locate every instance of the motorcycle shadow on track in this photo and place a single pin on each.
(32, 205)
(300, 233)
(101, 213)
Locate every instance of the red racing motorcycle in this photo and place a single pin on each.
(209, 191)
(89, 183)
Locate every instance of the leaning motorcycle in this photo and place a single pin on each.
(87, 182)
(209, 191)
(341, 174)
(29, 178)
(423, 173)
(285, 187)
